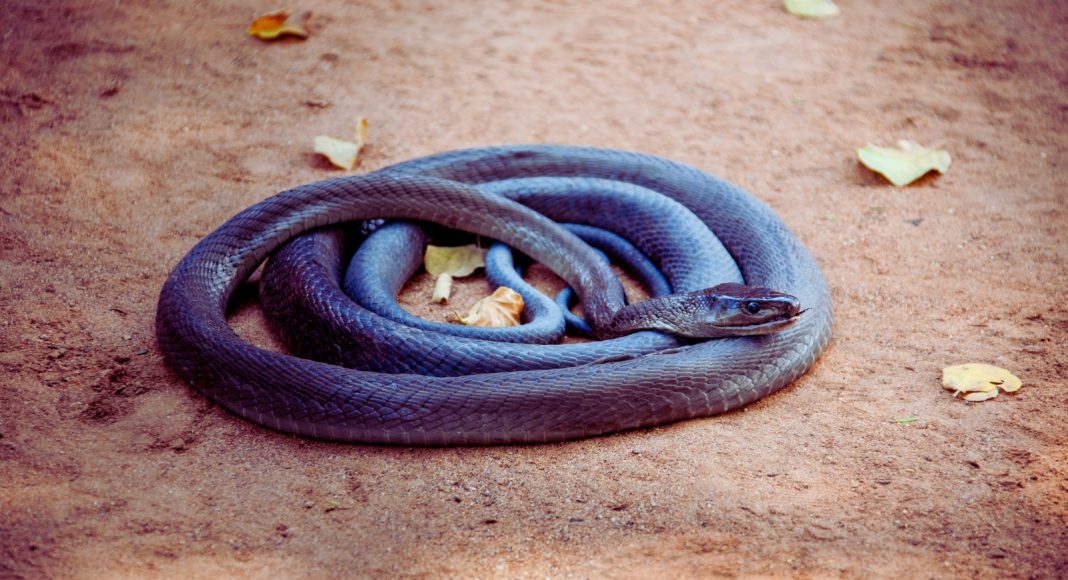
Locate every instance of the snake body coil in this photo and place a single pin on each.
(610, 391)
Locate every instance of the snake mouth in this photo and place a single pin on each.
(766, 327)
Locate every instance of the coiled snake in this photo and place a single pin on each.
(643, 379)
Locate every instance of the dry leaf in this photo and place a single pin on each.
(978, 381)
(362, 127)
(904, 164)
(457, 261)
(342, 153)
(278, 24)
(502, 308)
(446, 263)
(811, 8)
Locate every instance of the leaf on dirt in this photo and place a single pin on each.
(905, 163)
(978, 381)
(906, 420)
(333, 505)
(278, 24)
(341, 153)
(811, 8)
(446, 263)
(502, 308)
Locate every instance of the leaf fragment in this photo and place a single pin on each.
(362, 128)
(811, 8)
(456, 261)
(446, 263)
(442, 288)
(905, 163)
(279, 23)
(502, 308)
(342, 153)
(906, 420)
(979, 381)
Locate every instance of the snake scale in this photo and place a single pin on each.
(610, 393)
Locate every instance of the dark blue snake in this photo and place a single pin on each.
(479, 391)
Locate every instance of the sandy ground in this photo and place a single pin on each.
(130, 130)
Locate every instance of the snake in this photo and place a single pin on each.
(664, 371)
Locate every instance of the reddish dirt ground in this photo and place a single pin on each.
(130, 130)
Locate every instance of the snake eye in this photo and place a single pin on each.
(752, 307)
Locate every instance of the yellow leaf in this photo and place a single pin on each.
(979, 381)
(458, 261)
(445, 263)
(977, 396)
(904, 164)
(502, 308)
(342, 153)
(277, 24)
(811, 8)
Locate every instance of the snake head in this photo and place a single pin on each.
(740, 310)
(723, 310)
